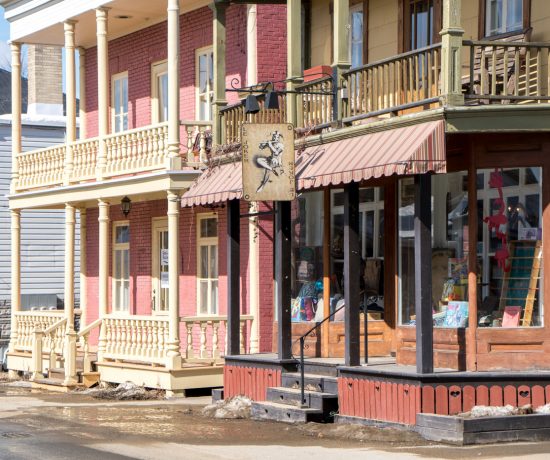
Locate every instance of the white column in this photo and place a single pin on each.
(254, 278)
(70, 85)
(102, 88)
(218, 39)
(174, 159)
(174, 355)
(15, 112)
(69, 265)
(82, 76)
(103, 275)
(251, 46)
(294, 53)
(83, 269)
(15, 273)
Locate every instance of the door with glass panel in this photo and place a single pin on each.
(160, 266)
(207, 264)
(121, 267)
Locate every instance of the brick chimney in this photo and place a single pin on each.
(45, 74)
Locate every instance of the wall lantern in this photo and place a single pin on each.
(272, 100)
(125, 206)
(251, 104)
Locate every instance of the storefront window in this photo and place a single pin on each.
(510, 247)
(371, 243)
(307, 257)
(449, 206)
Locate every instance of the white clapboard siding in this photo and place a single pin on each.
(42, 231)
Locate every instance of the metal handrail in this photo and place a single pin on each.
(302, 339)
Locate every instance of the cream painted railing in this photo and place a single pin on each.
(135, 338)
(210, 329)
(84, 337)
(196, 133)
(84, 159)
(29, 321)
(140, 149)
(41, 168)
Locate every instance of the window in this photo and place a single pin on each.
(119, 102)
(356, 35)
(160, 273)
(207, 264)
(421, 23)
(502, 16)
(159, 92)
(121, 266)
(205, 84)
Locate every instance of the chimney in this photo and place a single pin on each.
(45, 74)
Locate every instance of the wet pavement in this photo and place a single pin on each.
(38, 424)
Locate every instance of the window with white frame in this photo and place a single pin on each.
(205, 82)
(121, 266)
(356, 35)
(159, 93)
(503, 16)
(119, 101)
(207, 264)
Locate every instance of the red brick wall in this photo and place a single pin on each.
(141, 218)
(271, 39)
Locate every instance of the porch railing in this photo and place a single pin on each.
(41, 168)
(398, 83)
(135, 338)
(315, 110)
(233, 116)
(209, 330)
(507, 72)
(26, 322)
(196, 139)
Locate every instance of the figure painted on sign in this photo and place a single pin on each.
(273, 164)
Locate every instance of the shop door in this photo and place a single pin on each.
(160, 266)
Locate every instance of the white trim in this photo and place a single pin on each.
(117, 304)
(121, 76)
(207, 242)
(158, 225)
(158, 69)
(210, 91)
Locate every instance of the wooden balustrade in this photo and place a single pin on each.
(233, 116)
(41, 168)
(209, 330)
(84, 159)
(29, 321)
(401, 82)
(83, 337)
(507, 72)
(197, 140)
(315, 109)
(140, 149)
(136, 338)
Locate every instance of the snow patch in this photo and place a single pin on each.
(232, 408)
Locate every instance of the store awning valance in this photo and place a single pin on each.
(415, 149)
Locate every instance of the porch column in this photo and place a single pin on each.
(83, 269)
(294, 54)
(102, 88)
(282, 277)
(103, 255)
(15, 113)
(218, 39)
(15, 273)
(352, 267)
(251, 45)
(70, 85)
(174, 354)
(254, 278)
(69, 352)
(423, 272)
(82, 93)
(174, 159)
(233, 278)
(451, 50)
(341, 48)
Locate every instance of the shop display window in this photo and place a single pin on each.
(450, 246)
(509, 247)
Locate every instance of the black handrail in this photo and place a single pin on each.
(302, 340)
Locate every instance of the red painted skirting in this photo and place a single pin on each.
(249, 381)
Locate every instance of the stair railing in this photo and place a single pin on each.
(52, 337)
(302, 340)
(83, 337)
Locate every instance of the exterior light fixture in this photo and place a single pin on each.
(272, 100)
(125, 206)
(251, 104)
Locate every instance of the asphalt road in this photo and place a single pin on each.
(41, 425)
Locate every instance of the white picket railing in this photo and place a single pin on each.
(26, 322)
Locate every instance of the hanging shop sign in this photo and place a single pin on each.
(268, 162)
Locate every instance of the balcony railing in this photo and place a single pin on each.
(129, 152)
(315, 110)
(506, 72)
(401, 82)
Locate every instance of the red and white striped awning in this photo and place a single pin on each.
(415, 149)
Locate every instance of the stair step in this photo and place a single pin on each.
(313, 382)
(57, 373)
(53, 385)
(326, 402)
(267, 410)
(320, 368)
(89, 379)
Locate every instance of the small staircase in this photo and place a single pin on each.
(55, 381)
(321, 397)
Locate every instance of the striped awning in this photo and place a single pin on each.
(415, 149)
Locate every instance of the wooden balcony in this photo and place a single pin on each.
(128, 153)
